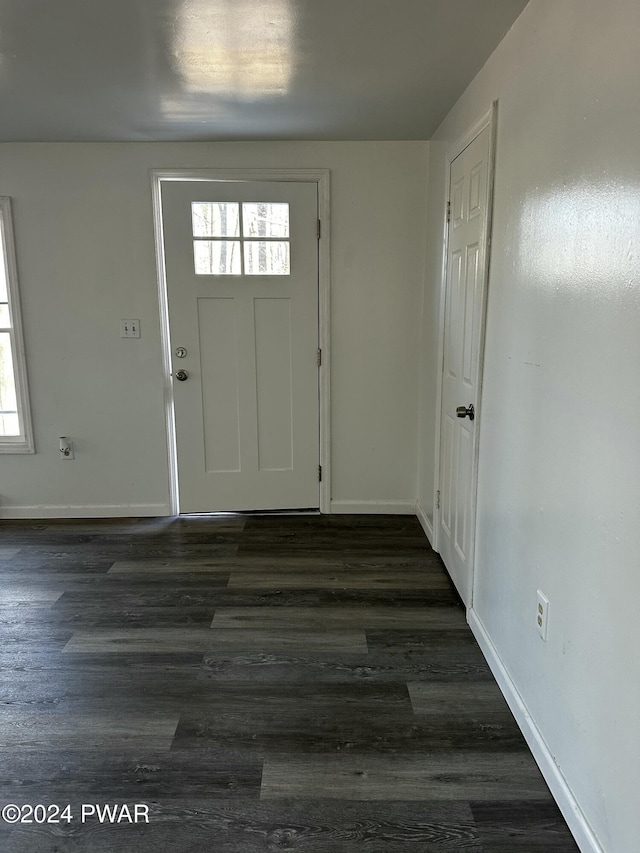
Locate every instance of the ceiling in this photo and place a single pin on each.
(107, 70)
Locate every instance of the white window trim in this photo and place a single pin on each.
(22, 443)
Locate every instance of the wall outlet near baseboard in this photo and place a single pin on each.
(542, 615)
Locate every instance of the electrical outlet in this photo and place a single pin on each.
(542, 615)
(66, 448)
(129, 328)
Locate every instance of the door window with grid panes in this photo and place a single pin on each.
(251, 238)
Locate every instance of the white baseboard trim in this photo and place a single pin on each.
(374, 507)
(578, 824)
(426, 524)
(85, 511)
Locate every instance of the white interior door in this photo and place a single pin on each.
(241, 264)
(463, 326)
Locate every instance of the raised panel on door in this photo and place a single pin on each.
(218, 340)
(461, 491)
(452, 349)
(447, 475)
(476, 187)
(274, 383)
(466, 320)
(458, 202)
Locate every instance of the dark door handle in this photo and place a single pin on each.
(466, 412)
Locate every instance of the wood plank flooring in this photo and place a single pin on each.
(261, 683)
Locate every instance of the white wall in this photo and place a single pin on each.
(559, 478)
(84, 234)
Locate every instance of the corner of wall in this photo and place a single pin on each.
(562, 793)
(424, 520)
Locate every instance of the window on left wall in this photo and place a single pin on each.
(16, 435)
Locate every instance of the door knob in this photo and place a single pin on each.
(182, 375)
(466, 412)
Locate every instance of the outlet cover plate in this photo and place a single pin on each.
(542, 615)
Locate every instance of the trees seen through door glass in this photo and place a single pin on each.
(261, 219)
(261, 232)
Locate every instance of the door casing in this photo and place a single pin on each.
(322, 178)
(489, 119)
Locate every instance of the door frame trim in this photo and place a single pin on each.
(490, 120)
(321, 177)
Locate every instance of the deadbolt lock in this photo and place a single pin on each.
(182, 375)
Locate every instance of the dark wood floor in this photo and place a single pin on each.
(283, 683)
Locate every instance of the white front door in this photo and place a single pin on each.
(464, 310)
(241, 263)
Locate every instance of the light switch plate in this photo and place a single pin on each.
(129, 328)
